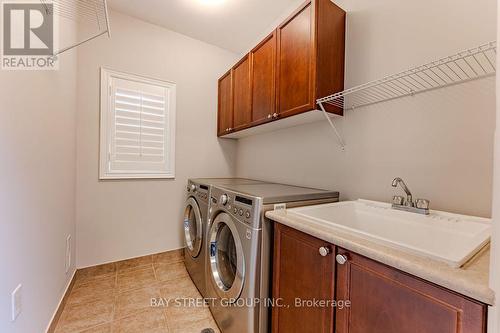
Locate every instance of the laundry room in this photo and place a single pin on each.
(228, 166)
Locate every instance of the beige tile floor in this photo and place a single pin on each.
(116, 298)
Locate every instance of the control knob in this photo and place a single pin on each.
(224, 199)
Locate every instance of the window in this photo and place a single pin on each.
(137, 127)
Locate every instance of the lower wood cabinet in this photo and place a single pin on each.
(382, 299)
(300, 272)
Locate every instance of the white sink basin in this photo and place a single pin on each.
(446, 237)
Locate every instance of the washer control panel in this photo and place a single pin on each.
(200, 192)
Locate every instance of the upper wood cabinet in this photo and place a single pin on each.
(300, 62)
(384, 299)
(242, 104)
(296, 62)
(263, 60)
(301, 272)
(225, 102)
(310, 57)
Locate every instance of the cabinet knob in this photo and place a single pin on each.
(341, 259)
(269, 116)
(324, 251)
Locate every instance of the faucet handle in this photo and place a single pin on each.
(398, 200)
(422, 203)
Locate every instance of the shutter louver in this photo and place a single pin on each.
(137, 127)
(139, 132)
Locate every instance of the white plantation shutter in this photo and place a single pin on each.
(139, 119)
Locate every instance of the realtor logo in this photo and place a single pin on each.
(28, 36)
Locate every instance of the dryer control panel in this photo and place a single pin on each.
(244, 208)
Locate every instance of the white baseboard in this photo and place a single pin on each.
(61, 300)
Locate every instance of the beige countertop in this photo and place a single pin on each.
(471, 280)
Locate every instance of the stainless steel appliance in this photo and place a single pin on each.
(239, 250)
(195, 221)
(195, 226)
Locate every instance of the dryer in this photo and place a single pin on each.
(240, 249)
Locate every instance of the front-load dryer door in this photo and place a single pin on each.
(193, 228)
(227, 262)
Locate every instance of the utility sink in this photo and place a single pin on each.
(446, 237)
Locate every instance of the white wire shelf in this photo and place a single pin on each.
(465, 66)
(462, 67)
(90, 13)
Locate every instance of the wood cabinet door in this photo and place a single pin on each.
(300, 272)
(225, 107)
(263, 59)
(296, 62)
(242, 109)
(385, 300)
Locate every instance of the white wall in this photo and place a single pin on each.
(37, 189)
(122, 219)
(441, 142)
(494, 315)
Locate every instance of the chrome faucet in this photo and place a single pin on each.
(409, 197)
(420, 206)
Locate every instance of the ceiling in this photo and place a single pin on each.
(231, 24)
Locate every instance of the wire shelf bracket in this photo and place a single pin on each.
(469, 65)
(93, 13)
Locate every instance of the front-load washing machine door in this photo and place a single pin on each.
(227, 262)
(193, 228)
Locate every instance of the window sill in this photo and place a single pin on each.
(129, 176)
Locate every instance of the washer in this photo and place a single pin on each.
(239, 250)
(195, 226)
(195, 221)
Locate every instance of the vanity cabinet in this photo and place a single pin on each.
(382, 299)
(301, 61)
(300, 272)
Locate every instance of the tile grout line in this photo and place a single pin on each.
(89, 279)
(113, 312)
(115, 297)
(163, 311)
(154, 273)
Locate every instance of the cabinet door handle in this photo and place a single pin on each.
(269, 116)
(324, 251)
(341, 259)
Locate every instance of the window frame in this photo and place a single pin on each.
(106, 76)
